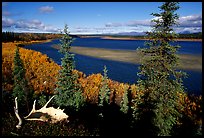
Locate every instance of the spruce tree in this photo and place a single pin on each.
(159, 79)
(104, 93)
(124, 102)
(21, 89)
(68, 90)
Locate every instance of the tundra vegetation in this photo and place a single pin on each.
(157, 105)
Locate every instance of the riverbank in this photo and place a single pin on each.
(132, 38)
(187, 62)
(23, 43)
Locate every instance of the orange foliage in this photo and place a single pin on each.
(91, 86)
(117, 90)
(41, 73)
(39, 68)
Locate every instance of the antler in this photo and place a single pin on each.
(48, 102)
(33, 110)
(47, 114)
(17, 115)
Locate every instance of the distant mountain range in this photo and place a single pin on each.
(129, 33)
(184, 34)
(143, 33)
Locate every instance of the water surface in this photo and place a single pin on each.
(119, 71)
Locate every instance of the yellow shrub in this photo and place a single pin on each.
(41, 73)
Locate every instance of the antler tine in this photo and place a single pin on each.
(33, 110)
(48, 102)
(16, 104)
(17, 115)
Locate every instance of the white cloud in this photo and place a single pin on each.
(188, 29)
(138, 23)
(50, 28)
(87, 30)
(190, 21)
(100, 30)
(114, 24)
(46, 9)
(28, 25)
(184, 21)
(7, 22)
(133, 23)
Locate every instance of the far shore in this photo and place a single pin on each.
(187, 62)
(131, 38)
(32, 42)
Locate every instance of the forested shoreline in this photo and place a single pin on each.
(14, 36)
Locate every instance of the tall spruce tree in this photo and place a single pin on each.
(124, 102)
(21, 89)
(68, 90)
(158, 77)
(104, 93)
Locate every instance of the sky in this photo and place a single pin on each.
(93, 17)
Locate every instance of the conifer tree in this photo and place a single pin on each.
(159, 79)
(104, 93)
(20, 89)
(124, 102)
(68, 90)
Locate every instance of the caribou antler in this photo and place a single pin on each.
(33, 110)
(46, 114)
(17, 115)
(48, 102)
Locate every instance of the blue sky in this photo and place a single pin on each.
(93, 17)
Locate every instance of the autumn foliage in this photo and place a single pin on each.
(41, 73)
(40, 70)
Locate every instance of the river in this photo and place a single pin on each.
(120, 71)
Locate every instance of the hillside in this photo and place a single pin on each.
(39, 68)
